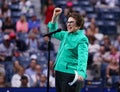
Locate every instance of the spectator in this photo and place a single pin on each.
(16, 66)
(5, 11)
(37, 32)
(97, 61)
(42, 3)
(48, 10)
(38, 70)
(92, 29)
(107, 57)
(107, 3)
(52, 76)
(19, 43)
(24, 81)
(69, 6)
(117, 43)
(86, 19)
(32, 42)
(106, 42)
(43, 82)
(93, 49)
(95, 30)
(112, 3)
(26, 7)
(2, 81)
(22, 25)
(2, 69)
(30, 71)
(44, 45)
(112, 72)
(8, 25)
(34, 23)
(15, 81)
(6, 49)
(114, 53)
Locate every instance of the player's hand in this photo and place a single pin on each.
(80, 78)
(57, 11)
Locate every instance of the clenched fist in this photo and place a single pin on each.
(57, 11)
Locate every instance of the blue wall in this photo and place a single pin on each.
(53, 90)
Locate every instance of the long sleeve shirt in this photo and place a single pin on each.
(73, 52)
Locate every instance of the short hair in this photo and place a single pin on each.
(79, 19)
(24, 77)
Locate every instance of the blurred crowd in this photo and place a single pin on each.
(24, 50)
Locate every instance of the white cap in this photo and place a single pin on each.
(6, 37)
(33, 56)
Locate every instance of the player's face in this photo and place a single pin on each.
(71, 25)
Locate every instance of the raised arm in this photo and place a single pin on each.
(53, 25)
(56, 14)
